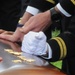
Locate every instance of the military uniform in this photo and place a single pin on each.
(63, 46)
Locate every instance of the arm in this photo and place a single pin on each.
(57, 48)
(30, 11)
(17, 35)
(36, 6)
(43, 5)
(62, 42)
(68, 6)
(61, 46)
(43, 20)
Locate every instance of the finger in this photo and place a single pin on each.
(7, 37)
(7, 32)
(0, 59)
(1, 31)
(25, 29)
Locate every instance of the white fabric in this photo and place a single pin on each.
(32, 10)
(49, 52)
(62, 10)
(35, 43)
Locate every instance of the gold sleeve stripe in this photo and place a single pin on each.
(61, 48)
(73, 1)
(51, 1)
(64, 47)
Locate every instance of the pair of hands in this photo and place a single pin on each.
(36, 23)
(33, 42)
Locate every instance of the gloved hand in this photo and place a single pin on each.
(34, 43)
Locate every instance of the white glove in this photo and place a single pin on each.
(34, 43)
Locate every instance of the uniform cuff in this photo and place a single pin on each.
(32, 10)
(62, 10)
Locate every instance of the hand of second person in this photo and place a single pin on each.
(0, 59)
(2, 31)
(12, 36)
(37, 23)
(34, 43)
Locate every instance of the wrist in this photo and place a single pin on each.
(55, 14)
(48, 16)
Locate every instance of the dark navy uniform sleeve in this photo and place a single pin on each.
(68, 5)
(43, 5)
(62, 46)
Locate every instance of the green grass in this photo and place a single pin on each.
(55, 33)
(58, 64)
